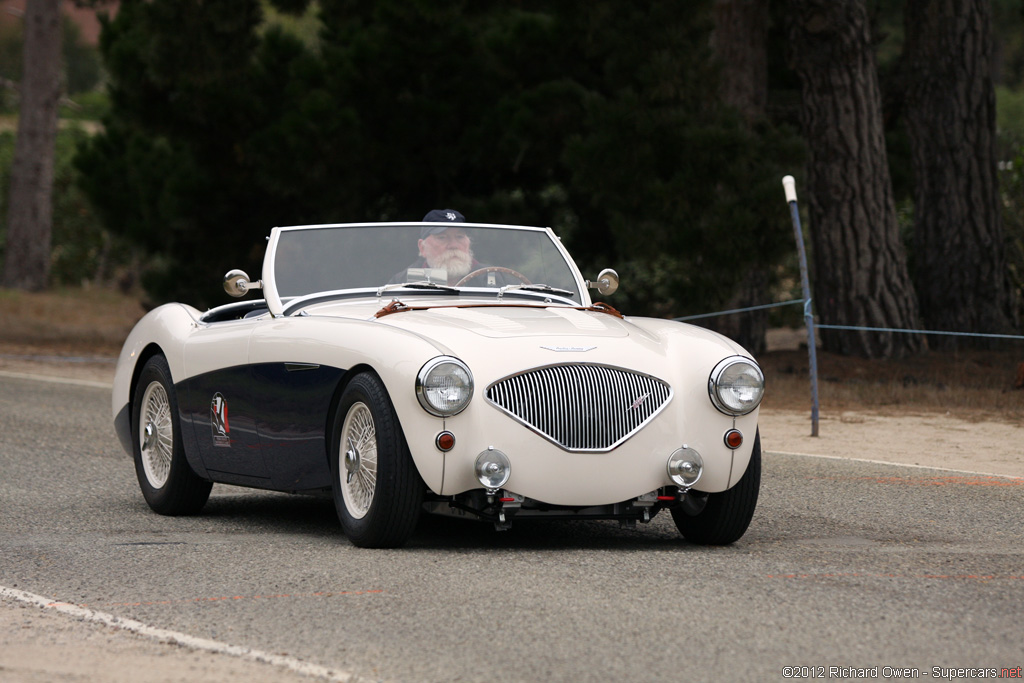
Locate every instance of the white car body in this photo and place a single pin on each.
(296, 357)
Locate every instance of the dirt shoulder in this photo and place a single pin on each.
(926, 440)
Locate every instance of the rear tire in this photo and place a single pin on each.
(168, 484)
(726, 515)
(378, 493)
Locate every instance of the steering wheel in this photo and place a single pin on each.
(493, 269)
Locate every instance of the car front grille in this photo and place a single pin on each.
(581, 407)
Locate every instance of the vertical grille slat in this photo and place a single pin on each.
(581, 407)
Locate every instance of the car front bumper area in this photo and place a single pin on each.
(502, 507)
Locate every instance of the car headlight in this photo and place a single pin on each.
(444, 386)
(736, 386)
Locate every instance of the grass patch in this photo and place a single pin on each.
(971, 385)
(68, 321)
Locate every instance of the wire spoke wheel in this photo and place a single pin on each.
(378, 493)
(166, 479)
(156, 435)
(358, 460)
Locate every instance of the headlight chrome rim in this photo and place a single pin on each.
(426, 386)
(717, 388)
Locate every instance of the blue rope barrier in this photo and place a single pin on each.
(893, 329)
(853, 328)
(738, 310)
(789, 186)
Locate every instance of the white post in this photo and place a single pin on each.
(789, 185)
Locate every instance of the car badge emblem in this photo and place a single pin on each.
(639, 401)
(569, 349)
(219, 421)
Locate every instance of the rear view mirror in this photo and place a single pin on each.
(606, 283)
(237, 283)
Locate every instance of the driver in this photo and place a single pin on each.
(446, 248)
(449, 249)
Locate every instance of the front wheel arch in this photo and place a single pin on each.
(332, 410)
(173, 488)
(725, 516)
(388, 509)
(151, 349)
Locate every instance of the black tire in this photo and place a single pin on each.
(378, 493)
(726, 515)
(168, 483)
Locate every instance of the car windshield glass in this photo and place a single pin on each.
(482, 259)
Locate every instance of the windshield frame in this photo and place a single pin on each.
(277, 308)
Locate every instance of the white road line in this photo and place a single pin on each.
(57, 380)
(895, 464)
(183, 639)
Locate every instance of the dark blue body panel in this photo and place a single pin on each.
(261, 425)
(294, 409)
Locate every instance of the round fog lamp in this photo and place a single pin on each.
(493, 468)
(685, 467)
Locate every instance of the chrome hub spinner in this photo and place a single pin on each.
(150, 436)
(352, 463)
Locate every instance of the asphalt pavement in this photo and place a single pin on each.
(849, 571)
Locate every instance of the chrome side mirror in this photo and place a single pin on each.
(607, 282)
(237, 283)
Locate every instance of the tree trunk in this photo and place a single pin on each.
(740, 43)
(860, 264)
(959, 252)
(30, 209)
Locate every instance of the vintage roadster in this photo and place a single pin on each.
(454, 368)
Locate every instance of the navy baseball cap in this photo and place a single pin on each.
(440, 216)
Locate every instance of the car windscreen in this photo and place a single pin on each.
(322, 259)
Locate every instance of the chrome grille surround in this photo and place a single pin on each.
(581, 407)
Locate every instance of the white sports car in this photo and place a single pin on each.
(388, 365)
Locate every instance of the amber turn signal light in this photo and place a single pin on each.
(445, 441)
(734, 438)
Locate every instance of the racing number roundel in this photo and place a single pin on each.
(219, 421)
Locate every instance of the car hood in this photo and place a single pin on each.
(505, 338)
(509, 322)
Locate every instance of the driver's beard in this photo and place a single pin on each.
(455, 261)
